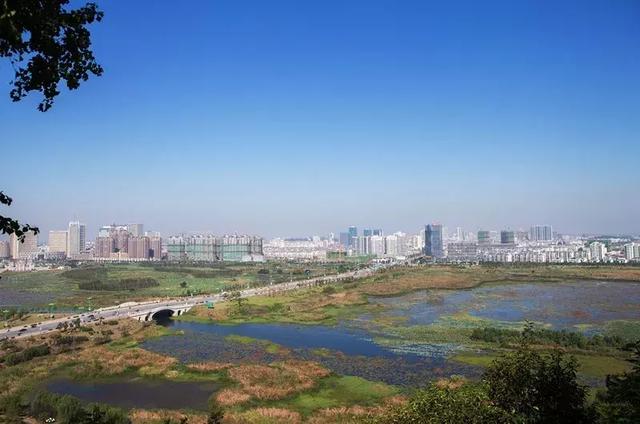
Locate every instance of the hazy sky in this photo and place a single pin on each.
(302, 117)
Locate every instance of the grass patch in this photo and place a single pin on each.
(601, 366)
(335, 391)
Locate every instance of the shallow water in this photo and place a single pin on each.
(138, 393)
(569, 305)
(343, 350)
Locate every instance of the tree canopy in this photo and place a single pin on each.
(47, 43)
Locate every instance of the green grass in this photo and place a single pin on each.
(63, 285)
(337, 391)
(480, 360)
(601, 366)
(597, 366)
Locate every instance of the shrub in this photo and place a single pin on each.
(467, 403)
(543, 388)
(329, 290)
(27, 354)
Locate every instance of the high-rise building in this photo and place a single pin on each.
(58, 241)
(459, 234)
(632, 251)
(541, 233)
(344, 240)
(484, 237)
(23, 249)
(598, 251)
(367, 232)
(76, 238)
(5, 251)
(121, 239)
(507, 237)
(155, 247)
(138, 247)
(378, 232)
(103, 247)
(376, 246)
(353, 233)
(433, 245)
(136, 230)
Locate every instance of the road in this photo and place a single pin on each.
(140, 309)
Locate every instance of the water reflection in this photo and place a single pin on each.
(138, 393)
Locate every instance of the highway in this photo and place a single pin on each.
(138, 310)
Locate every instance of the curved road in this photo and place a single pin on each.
(141, 309)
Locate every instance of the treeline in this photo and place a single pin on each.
(545, 336)
(116, 285)
(525, 386)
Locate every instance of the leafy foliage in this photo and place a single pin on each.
(541, 387)
(68, 410)
(438, 404)
(27, 354)
(47, 43)
(9, 225)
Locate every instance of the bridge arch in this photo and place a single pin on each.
(161, 313)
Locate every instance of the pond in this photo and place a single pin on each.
(344, 350)
(567, 305)
(138, 393)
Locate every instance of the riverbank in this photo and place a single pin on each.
(110, 354)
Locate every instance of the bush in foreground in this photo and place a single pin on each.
(455, 404)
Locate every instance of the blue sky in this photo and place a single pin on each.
(293, 118)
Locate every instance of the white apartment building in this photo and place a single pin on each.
(598, 251)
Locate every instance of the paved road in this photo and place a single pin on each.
(140, 309)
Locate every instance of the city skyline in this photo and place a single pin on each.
(278, 118)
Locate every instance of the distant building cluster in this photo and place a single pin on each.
(127, 242)
(313, 248)
(210, 248)
(373, 242)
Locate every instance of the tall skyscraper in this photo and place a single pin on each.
(77, 238)
(541, 233)
(378, 232)
(433, 241)
(58, 241)
(367, 232)
(353, 233)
